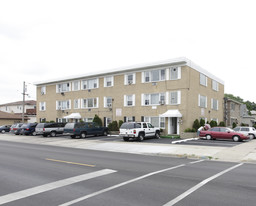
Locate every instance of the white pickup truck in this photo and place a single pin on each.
(138, 131)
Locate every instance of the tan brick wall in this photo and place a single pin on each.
(189, 85)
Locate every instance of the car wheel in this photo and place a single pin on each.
(141, 137)
(126, 139)
(34, 133)
(53, 134)
(251, 136)
(83, 135)
(236, 138)
(157, 135)
(105, 133)
(208, 137)
(3, 131)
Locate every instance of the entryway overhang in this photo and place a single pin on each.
(171, 113)
(73, 116)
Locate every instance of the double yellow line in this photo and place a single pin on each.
(73, 163)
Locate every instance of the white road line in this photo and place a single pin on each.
(184, 140)
(121, 184)
(53, 185)
(199, 185)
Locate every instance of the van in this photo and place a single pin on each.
(82, 129)
(51, 129)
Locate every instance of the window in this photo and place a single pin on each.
(233, 106)
(88, 119)
(215, 104)
(76, 85)
(63, 105)
(90, 84)
(153, 99)
(202, 101)
(65, 87)
(43, 90)
(76, 104)
(156, 121)
(109, 81)
(129, 100)
(175, 97)
(90, 103)
(42, 106)
(108, 102)
(154, 76)
(203, 80)
(129, 79)
(175, 73)
(215, 85)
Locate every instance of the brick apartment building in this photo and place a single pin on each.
(170, 94)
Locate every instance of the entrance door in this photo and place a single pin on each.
(173, 125)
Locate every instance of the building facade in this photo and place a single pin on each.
(169, 94)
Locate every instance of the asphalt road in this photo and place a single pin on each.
(47, 175)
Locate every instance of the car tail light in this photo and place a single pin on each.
(134, 131)
(44, 129)
(74, 130)
(27, 129)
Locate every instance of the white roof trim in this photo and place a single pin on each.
(170, 62)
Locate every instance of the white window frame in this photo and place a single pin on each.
(108, 101)
(107, 80)
(178, 98)
(74, 85)
(89, 84)
(178, 73)
(203, 79)
(63, 87)
(43, 90)
(200, 103)
(129, 82)
(42, 106)
(95, 102)
(149, 75)
(215, 85)
(77, 103)
(63, 105)
(215, 104)
(129, 98)
(147, 99)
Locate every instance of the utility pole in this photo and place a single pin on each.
(23, 102)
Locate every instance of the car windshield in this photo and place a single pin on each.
(24, 125)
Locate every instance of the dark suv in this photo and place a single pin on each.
(51, 129)
(28, 129)
(83, 129)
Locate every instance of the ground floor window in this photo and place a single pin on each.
(156, 121)
(89, 119)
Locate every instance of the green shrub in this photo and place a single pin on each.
(202, 122)
(213, 123)
(234, 125)
(120, 123)
(113, 126)
(196, 124)
(97, 120)
(222, 124)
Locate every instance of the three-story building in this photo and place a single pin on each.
(169, 94)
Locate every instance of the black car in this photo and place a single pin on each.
(27, 129)
(82, 129)
(5, 128)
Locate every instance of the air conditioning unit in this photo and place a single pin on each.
(130, 82)
(42, 93)
(109, 105)
(162, 102)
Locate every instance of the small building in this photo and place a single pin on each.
(9, 118)
(170, 94)
(17, 108)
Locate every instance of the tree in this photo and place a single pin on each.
(202, 122)
(97, 120)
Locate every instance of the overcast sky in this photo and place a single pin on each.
(41, 40)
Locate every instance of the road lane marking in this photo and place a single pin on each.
(67, 162)
(121, 184)
(53, 185)
(199, 185)
(184, 140)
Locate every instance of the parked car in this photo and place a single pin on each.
(138, 131)
(51, 129)
(223, 133)
(248, 131)
(14, 128)
(28, 129)
(82, 129)
(5, 128)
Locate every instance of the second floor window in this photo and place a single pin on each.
(90, 103)
(215, 104)
(202, 101)
(63, 105)
(108, 102)
(42, 106)
(76, 104)
(175, 98)
(129, 100)
(153, 99)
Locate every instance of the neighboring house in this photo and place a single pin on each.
(17, 108)
(9, 118)
(236, 112)
(169, 94)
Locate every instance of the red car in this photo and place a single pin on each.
(223, 133)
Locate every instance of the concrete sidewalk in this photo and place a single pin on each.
(245, 152)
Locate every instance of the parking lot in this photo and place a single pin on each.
(191, 141)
